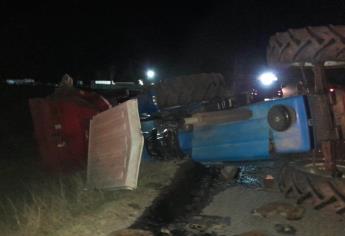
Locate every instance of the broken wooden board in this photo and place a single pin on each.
(115, 148)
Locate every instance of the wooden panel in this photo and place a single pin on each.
(115, 147)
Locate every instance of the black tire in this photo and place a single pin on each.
(310, 44)
(184, 90)
(322, 191)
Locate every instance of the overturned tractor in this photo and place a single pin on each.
(193, 116)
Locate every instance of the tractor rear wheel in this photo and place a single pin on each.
(185, 90)
(309, 182)
(310, 44)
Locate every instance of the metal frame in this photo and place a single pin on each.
(325, 128)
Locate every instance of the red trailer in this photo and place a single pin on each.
(61, 123)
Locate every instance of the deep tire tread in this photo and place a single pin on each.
(325, 202)
(322, 192)
(310, 44)
(314, 191)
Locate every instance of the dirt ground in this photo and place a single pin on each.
(123, 211)
(238, 202)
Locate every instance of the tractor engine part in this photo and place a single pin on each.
(185, 90)
(280, 118)
(219, 117)
(162, 141)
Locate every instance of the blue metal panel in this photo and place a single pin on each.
(147, 105)
(250, 139)
(185, 141)
(297, 138)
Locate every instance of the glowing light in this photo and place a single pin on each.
(141, 82)
(106, 82)
(267, 78)
(331, 90)
(150, 74)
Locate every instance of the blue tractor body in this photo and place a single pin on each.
(253, 138)
(248, 137)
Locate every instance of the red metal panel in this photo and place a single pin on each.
(61, 129)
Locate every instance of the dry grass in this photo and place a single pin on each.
(47, 205)
(51, 203)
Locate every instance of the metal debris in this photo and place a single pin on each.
(201, 225)
(131, 232)
(285, 229)
(252, 233)
(269, 181)
(287, 210)
(229, 172)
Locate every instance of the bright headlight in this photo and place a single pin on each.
(267, 78)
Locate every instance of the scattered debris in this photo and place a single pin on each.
(131, 232)
(252, 233)
(284, 229)
(66, 81)
(165, 232)
(201, 224)
(287, 210)
(229, 172)
(197, 227)
(269, 181)
(248, 176)
(210, 221)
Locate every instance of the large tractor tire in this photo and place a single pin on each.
(309, 182)
(185, 90)
(310, 44)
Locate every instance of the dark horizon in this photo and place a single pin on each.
(45, 40)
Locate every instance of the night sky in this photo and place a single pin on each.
(45, 40)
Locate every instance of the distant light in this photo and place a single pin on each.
(141, 82)
(10, 81)
(254, 92)
(267, 99)
(106, 82)
(25, 81)
(152, 83)
(154, 100)
(150, 74)
(267, 78)
(331, 90)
